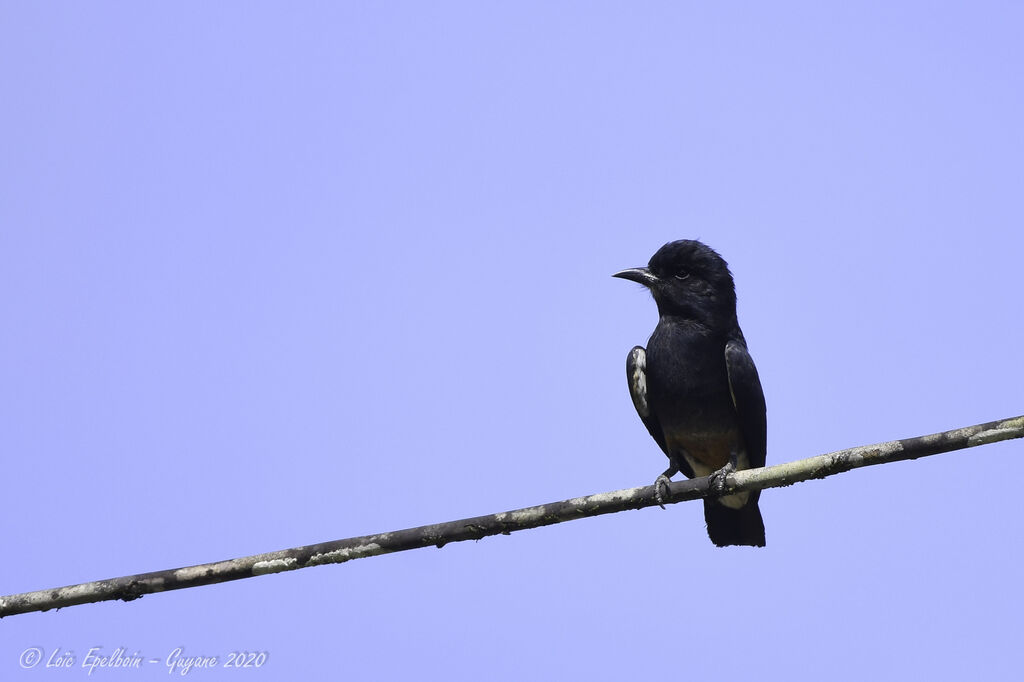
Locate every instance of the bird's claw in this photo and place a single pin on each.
(717, 482)
(661, 483)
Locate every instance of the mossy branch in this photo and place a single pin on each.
(132, 587)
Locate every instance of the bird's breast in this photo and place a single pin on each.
(688, 391)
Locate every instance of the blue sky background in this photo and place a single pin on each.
(274, 275)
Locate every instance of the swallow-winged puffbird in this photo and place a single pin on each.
(695, 386)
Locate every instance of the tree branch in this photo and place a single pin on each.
(339, 551)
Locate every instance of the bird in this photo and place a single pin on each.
(695, 386)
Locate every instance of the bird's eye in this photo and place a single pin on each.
(682, 274)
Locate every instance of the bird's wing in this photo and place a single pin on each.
(636, 375)
(748, 399)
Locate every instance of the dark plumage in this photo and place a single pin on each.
(695, 385)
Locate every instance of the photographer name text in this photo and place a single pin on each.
(177, 661)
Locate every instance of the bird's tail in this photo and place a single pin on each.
(742, 526)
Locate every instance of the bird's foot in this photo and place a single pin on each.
(717, 482)
(661, 490)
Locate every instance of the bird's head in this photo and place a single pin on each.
(690, 280)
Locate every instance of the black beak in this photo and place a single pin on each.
(638, 275)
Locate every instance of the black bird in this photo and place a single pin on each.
(695, 386)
